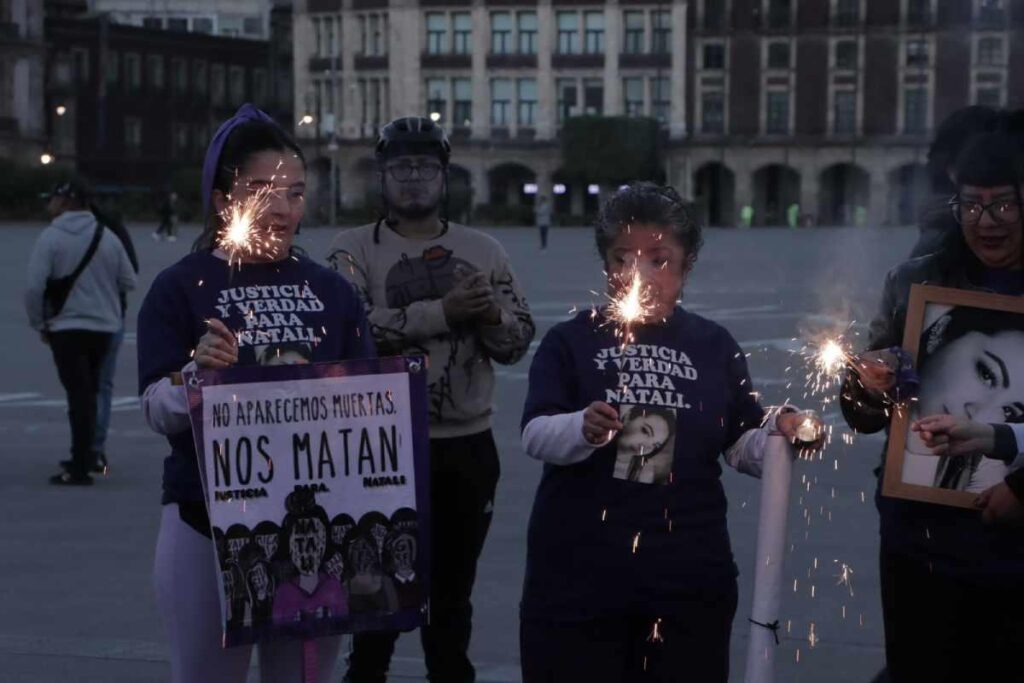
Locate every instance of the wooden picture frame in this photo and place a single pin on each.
(928, 307)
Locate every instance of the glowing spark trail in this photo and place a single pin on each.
(632, 304)
(241, 236)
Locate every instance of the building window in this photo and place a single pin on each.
(990, 52)
(844, 112)
(778, 56)
(153, 22)
(178, 24)
(253, 26)
(593, 38)
(260, 86)
(917, 53)
(155, 69)
(593, 96)
(779, 14)
(199, 76)
(919, 12)
(714, 56)
(373, 28)
(661, 99)
(777, 113)
(526, 98)
(180, 140)
(501, 33)
(437, 98)
(332, 42)
(133, 70)
(112, 68)
(633, 96)
(236, 85)
(847, 12)
(568, 32)
(80, 59)
(217, 86)
(527, 33)
(635, 29)
(132, 134)
(462, 32)
(501, 101)
(661, 31)
(846, 54)
(462, 109)
(991, 11)
(712, 113)
(437, 34)
(179, 76)
(915, 111)
(202, 25)
(567, 98)
(714, 15)
(989, 97)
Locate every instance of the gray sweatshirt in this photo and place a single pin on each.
(95, 300)
(402, 282)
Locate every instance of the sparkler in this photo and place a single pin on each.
(240, 236)
(828, 359)
(633, 304)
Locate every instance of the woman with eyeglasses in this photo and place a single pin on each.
(951, 584)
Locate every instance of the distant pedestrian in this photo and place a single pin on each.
(168, 218)
(543, 213)
(793, 215)
(746, 216)
(77, 275)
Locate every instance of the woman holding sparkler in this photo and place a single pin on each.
(951, 589)
(630, 573)
(244, 288)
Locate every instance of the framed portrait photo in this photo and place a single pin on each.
(968, 349)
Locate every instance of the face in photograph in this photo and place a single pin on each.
(646, 444)
(307, 544)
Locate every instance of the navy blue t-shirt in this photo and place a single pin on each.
(286, 311)
(640, 525)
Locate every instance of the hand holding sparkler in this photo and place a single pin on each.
(600, 423)
(876, 370)
(218, 348)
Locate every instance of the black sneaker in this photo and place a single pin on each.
(101, 466)
(67, 479)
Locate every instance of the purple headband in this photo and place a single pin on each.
(246, 113)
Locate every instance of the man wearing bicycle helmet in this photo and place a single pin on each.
(435, 288)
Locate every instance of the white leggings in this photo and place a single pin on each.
(186, 578)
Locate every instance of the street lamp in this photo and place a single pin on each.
(306, 120)
(61, 110)
(435, 116)
(46, 159)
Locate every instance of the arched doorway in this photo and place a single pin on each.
(507, 184)
(844, 195)
(715, 194)
(460, 193)
(776, 188)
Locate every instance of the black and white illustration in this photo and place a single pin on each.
(646, 445)
(971, 365)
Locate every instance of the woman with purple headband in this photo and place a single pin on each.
(190, 319)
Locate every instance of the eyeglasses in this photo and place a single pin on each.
(402, 171)
(970, 213)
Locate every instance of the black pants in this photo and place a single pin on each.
(79, 356)
(463, 477)
(166, 227)
(544, 236)
(939, 628)
(690, 646)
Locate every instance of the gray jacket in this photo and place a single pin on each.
(95, 300)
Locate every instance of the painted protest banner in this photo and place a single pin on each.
(316, 480)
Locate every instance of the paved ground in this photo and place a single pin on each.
(75, 589)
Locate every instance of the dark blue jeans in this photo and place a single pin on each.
(106, 393)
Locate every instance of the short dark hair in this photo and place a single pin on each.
(951, 136)
(648, 203)
(989, 160)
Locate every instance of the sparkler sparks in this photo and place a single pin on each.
(845, 576)
(632, 304)
(240, 236)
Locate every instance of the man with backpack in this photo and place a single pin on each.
(77, 274)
